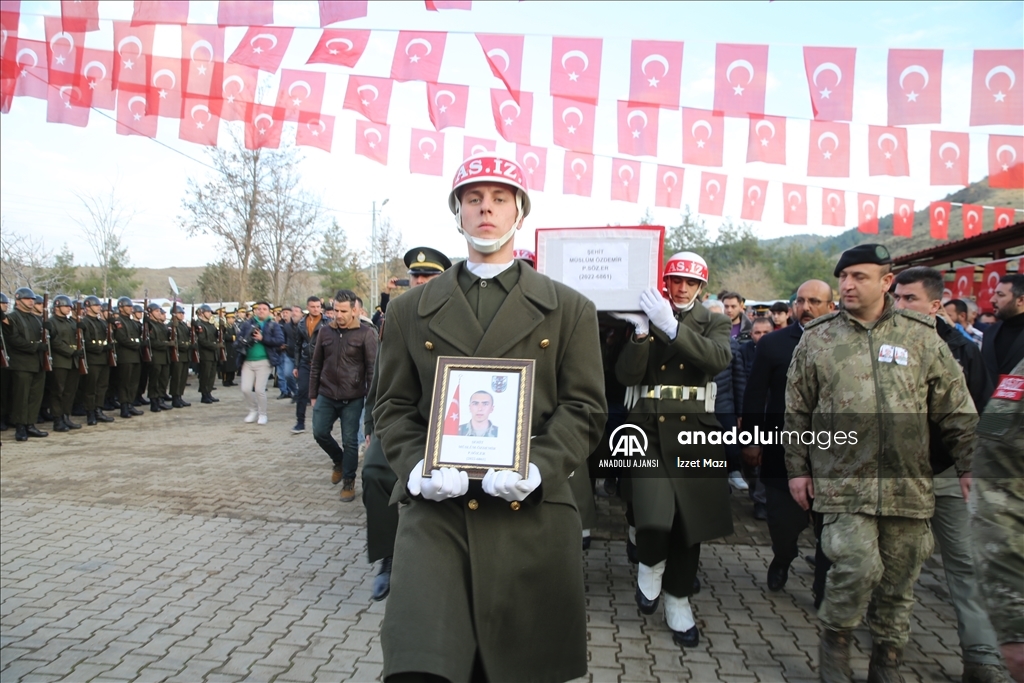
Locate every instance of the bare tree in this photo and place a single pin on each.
(292, 222)
(104, 226)
(25, 262)
(390, 250)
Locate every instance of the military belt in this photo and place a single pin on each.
(665, 392)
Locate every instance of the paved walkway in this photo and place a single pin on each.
(189, 546)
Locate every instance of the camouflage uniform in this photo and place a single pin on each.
(998, 520)
(882, 381)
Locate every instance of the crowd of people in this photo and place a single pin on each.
(884, 362)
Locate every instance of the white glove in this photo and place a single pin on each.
(659, 310)
(442, 484)
(510, 485)
(638, 320)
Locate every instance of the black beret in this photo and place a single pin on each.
(863, 253)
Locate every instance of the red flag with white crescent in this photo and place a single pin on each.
(741, 72)
(1006, 161)
(703, 137)
(972, 215)
(830, 81)
(963, 284)
(867, 213)
(447, 104)
(202, 60)
(794, 198)
(245, 13)
(939, 223)
(332, 11)
(163, 95)
(655, 72)
(372, 141)
(997, 97)
(1005, 217)
(625, 180)
(533, 160)
(30, 64)
(315, 130)
(668, 192)
(67, 104)
(712, 193)
(146, 12)
(301, 92)
(915, 87)
(504, 54)
(340, 47)
(638, 129)
(418, 56)
(903, 217)
(264, 127)
(80, 16)
(369, 96)
(97, 67)
(237, 91)
(451, 418)
(576, 68)
(989, 281)
(263, 47)
(132, 116)
(578, 174)
(833, 207)
(472, 145)
(573, 124)
(426, 152)
(133, 49)
(949, 156)
(513, 119)
(754, 192)
(887, 151)
(766, 141)
(828, 152)
(199, 122)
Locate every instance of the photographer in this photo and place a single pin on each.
(258, 350)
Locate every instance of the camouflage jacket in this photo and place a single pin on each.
(859, 398)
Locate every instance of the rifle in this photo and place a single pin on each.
(5, 360)
(146, 352)
(111, 350)
(174, 339)
(222, 354)
(193, 355)
(83, 364)
(47, 353)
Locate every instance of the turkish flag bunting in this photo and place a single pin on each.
(435, 5)
(767, 140)
(471, 146)
(369, 96)
(573, 124)
(655, 72)
(950, 152)
(238, 91)
(418, 56)
(703, 134)
(915, 87)
(972, 215)
(505, 57)
(80, 16)
(939, 213)
(447, 105)
(263, 129)
(426, 152)
(638, 129)
(163, 12)
(97, 66)
(903, 217)
(245, 13)
(712, 193)
(199, 122)
(578, 176)
(202, 60)
(828, 153)
(63, 50)
(132, 118)
(534, 160)
(668, 192)
(964, 283)
(341, 47)
(1006, 161)
(68, 104)
(301, 92)
(994, 99)
(833, 207)
(315, 130)
(163, 96)
(625, 180)
(887, 151)
(372, 140)
(989, 281)
(513, 120)
(263, 47)
(576, 68)
(451, 418)
(333, 11)
(754, 192)
(740, 75)
(30, 62)
(794, 199)
(867, 213)
(830, 81)
(1005, 217)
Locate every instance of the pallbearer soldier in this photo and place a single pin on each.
(94, 385)
(206, 338)
(159, 368)
(379, 479)
(64, 377)
(128, 336)
(23, 336)
(179, 368)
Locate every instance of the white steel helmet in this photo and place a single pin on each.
(687, 264)
(489, 167)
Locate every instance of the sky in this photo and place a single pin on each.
(45, 167)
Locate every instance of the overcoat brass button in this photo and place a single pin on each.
(662, 367)
(680, 366)
(544, 343)
(682, 418)
(661, 418)
(483, 283)
(429, 345)
(472, 504)
(514, 505)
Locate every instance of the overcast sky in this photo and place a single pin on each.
(43, 166)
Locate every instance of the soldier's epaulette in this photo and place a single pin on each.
(821, 319)
(919, 317)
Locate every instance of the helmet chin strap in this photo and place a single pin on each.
(489, 246)
(693, 301)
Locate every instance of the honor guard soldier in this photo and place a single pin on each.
(669, 367)
(97, 353)
(478, 545)
(64, 377)
(139, 313)
(179, 368)
(379, 479)
(23, 336)
(206, 339)
(159, 367)
(128, 337)
(5, 373)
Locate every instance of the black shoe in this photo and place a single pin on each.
(19, 433)
(90, 418)
(34, 431)
(689, 638)
(135, 411)
(382, 583)
(760, 511)
(176, 402)
(586, 543)
(646, 606)
(141, 401)
(809, 559)
(70, 424)
(165, 397)
(124, 412)
(163, 406)
(100, 417)
(154, 406)
(284, 396)
(206, 399)
(59, 426)
(212, 399)
(778, 574)
(631, 552)
(183, 402)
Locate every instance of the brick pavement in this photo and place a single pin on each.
(189, 546)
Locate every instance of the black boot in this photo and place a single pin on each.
(132, 410)
(885, 664)
(101, 417)
(165, 397)
(59, 426)
(34, 431)
(154, 406)
(382, 583)
(164, 406)
(90, 418)
(206, 399)
(19, 433)
(212, 399)
(124, 412)
(70, 424)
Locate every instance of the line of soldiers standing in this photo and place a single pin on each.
(85, 358)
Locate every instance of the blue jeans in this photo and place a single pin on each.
(286, 382)
(325, 413)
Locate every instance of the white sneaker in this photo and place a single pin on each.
(737, 481)
(262, 420)
(251, 417)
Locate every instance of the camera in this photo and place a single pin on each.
(402, 283)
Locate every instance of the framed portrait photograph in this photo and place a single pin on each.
(480, 415)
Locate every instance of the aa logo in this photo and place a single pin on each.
(628, 440)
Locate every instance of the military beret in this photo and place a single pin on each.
(426, 261)
(863, 253)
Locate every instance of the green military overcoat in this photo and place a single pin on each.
(478, 573)
(701, 495)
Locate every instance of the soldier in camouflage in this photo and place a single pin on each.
(862, 387)
(998, 519)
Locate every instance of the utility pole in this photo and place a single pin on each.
(374, 284)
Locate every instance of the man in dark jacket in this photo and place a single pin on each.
(306, 330)
(64, 377)
(1003, 345)
(23, 336)
(258, 349)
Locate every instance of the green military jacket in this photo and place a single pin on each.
(206, 339)
(882, 383)
(63, 341)
(128, 337)
(183, 340)
(159, 342)
(23, 336)
(94, 333)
